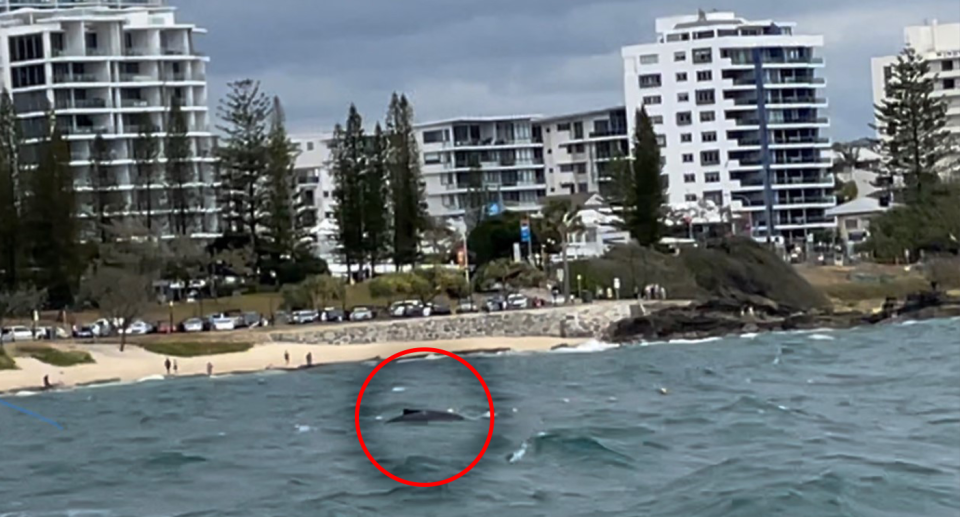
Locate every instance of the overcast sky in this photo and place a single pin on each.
(491, 57)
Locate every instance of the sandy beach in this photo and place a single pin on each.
(135, 363)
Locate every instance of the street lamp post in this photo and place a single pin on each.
(579, 284)
(170, 305)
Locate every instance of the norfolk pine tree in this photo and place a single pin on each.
(915, 144)
(409, 216)
(146, 150)
(282, 232)
(644, 190)
(347, 165)
(101, 180)
(376, 198)
(11, 224)
(179, 170)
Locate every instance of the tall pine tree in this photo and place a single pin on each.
(347, 166)
(376, 198)
(179, 170)
(100, 181)
(915, 143)
(643, 187)
(51, 220)
(245, 113)
(409, 215)
(146, 151)
(11, 226)
(282, 230)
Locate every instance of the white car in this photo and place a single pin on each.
(16, 333)
(222, 322)
(517, 301)
(138, 328)
(192, 325)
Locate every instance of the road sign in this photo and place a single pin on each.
(525, 231)
(493, 209)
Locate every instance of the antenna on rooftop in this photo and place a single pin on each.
(702, 16)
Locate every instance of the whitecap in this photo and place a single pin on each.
(152, 378)
(908, 323)
(398, 389)
(821, 337)
(514, 410)
(783, 408)
(612, 399)
(303, 428)
(26, 393)
(378, 417)
(776, 360)
(487, 414)
(750, 335)
(518, 454)
(692, 341)
(566, 401)
(588, 347)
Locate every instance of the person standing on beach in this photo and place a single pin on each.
(209, 369)
(286, 357)
(167, 364)
(309, 358)
(176, 368)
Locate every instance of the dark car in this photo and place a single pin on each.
(494, 304)
(467, 306)
(331, 314)
(83, 332)
(439, 309)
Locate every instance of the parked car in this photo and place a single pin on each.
(137, 328)
(16, 333)
(517, 301)
(361, 314)
(84, 332)
(406, 309)
(494, 304)
(222, 322)
(50, 333)
(251, 319)
(467, 306)
(331, 314)
(439, 309)
(304, 316)
(165, 327)
(191, 325)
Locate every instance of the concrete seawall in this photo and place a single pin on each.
(579, 321)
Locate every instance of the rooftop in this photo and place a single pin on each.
(859, 206)
(10, 5)
(480, 119)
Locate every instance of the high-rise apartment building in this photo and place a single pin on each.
(739, 110)
(101, 66)
(502, 156)
(578, 149)
(314, 191)
(938, 44)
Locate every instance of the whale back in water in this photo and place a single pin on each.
(425, 415)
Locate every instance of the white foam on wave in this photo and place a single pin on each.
(303, 428)
(398, 389)
(378, 417)
(518, 454)
(908, 323)
(588, 347)
(692, 341)
(152, 378)
(26, 393)
(821, 337)
(810, 331)
(750, 335)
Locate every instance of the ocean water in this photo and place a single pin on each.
(863, 422)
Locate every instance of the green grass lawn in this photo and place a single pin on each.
(55, 356)
(195, 349)
(6, 362)
(852, 292)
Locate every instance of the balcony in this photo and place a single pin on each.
(134, 103)
(67, 104)
(617, 131)
(137, 51)
(136, 78)
(747, 142)
(76, 78)
(799, 120)
(805, 200)
(82, 130)
(174, 52)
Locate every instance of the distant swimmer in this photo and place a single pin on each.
(209, 369)
(168, 365)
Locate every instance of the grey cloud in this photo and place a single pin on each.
(459, 57)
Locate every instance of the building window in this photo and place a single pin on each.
(686, 138)
(688, 158)
(724, 33)
(702, 55)
(691, 198)
(681, 77)
(431, 158)
(649, 59)
(689, 178)
(703, 35)
(851, 224)
(656, 120)
(684, 118)
(326, 194)
(563, 127)
(712, 177)
(949, 84)
(309, 146)
(661, 140)
(709, 157)
(651, 99)
(650, 81)
(704, 75)
(708, 136)
(707, 116)
(680, 55)
(683, 97)
(705, 97)
(432, 137)
(946, 65)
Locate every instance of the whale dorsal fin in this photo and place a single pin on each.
(411, 411)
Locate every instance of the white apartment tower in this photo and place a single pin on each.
(740, 114)
(939, 45)
(314, 191)
(579, 147)
(101, 66)
(508, 151)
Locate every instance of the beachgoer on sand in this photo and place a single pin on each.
(309, 358)
(286, 357)
(176, 368)
(167, 365)
(209, 369)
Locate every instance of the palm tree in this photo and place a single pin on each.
(561, 218)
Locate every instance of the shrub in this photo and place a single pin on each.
(186, 349)
(55, 356)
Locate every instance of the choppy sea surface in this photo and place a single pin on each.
(855, 423)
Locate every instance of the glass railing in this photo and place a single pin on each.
(134, 103)
(81, 104)
(76, 78)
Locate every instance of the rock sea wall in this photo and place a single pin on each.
(580, 321)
